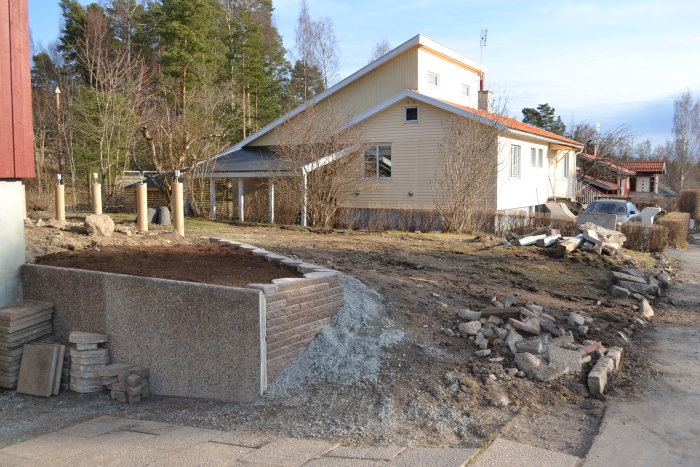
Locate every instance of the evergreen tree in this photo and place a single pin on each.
(543, 117)
(305, 82)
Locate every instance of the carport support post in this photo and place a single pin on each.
(241, 200)
(212, 199)
(271, 201)
(305, 193)
(142, 206)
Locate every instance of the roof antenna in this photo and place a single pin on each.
(482, 44)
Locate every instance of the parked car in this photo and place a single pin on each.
(624, 210)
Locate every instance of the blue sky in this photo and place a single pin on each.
(612, 62)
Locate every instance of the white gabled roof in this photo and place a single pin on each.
(418, 40)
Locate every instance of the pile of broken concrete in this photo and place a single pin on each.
(638, 284)
(544, 349)
(592, 238)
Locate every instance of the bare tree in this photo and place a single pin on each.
(324, 155)
(609, 146)
(316, 45)
(381, 48)
(686, 135)
(465, 179)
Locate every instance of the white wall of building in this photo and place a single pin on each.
(12, 245)
(535, 184)
(451, 77)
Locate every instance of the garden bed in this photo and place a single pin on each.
(218, 264)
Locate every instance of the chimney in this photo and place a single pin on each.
(486, 101)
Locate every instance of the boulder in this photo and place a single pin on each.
(100, 225)
(645, 310)
(469, 315)
(164, 216)
(512, 339)
(645, 289)
(576, 320)
(619, 292)
(471, 328)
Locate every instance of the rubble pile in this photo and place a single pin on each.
(542, 348)
(126, 383)
(638, 284)
(592, 238)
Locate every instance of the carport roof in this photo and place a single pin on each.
(248, 159)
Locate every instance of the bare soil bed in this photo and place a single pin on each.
(207, 264)
(431, 389)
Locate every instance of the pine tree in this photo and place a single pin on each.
(543, 117)
(306, 82)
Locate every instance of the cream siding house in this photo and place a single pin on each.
(402, 103)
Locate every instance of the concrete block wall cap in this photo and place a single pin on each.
(319, 274)
(216, 239)
(80, 337)
(307, 267)
(266, 288)
(292, 262)
(245, 246)
(275, 257)
(260, 252)
(284, 280)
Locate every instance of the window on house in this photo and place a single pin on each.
(411, 114)
(433, 79)
(465, 90)
(515, 161)
(540, 158)
(378, 161)
(533, 157)
(566, 166)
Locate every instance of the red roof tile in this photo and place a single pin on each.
(518, 125)
(608, 185)
(645, 166)
(609, 163)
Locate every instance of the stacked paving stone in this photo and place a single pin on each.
(126, 383)
(23, 323)
(87, 358)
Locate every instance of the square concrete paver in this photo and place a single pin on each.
(95, 427)
(371, 453)
(434, 457)
(505, 453)
(345, 462)
(147, 426)
(244, 438)
(181, 438)
(205, 454)
(289, 452)
(40, 445)
(9, 460)
(121, 457)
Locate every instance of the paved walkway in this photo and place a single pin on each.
(111, 441)
(662, 428)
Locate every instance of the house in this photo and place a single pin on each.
(644, 184)
(401, 103)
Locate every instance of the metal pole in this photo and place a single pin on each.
(271, 201)
(212, 199)
(305, 192)
(241, 200)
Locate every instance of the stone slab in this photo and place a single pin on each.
(25, 323)
(243, 438)
(19, 338)
(9, 460)
(40, 445)
(181, 438)
(114, 369)
(38, 370)
(345, 462)
(505, 453)
(369, 453)
(435, 457)
(206, 454)
(96, 427)
(22, 309)
(147, 426)
(289, 452)
(81, 337)
(607, 221)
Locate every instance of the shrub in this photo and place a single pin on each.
(651, 238)
(690, 203)
(677, 225)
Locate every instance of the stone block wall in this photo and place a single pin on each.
(296, 308)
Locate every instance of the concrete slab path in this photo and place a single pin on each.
(113, 441)
(662, 427)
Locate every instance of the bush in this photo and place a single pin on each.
(650, 238)
(690, 203)
(677, 225)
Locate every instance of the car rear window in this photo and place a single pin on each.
(610, 208)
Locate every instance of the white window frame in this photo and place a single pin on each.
(417, 114)
(566, 166)
(540, 158)
(376, 161)
(533, 157)
(437, 79)
(515, 160)
(468, 89)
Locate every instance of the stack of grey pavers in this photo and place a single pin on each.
(25, 322)
(638, 283)
(87, 358)
(126, 383)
